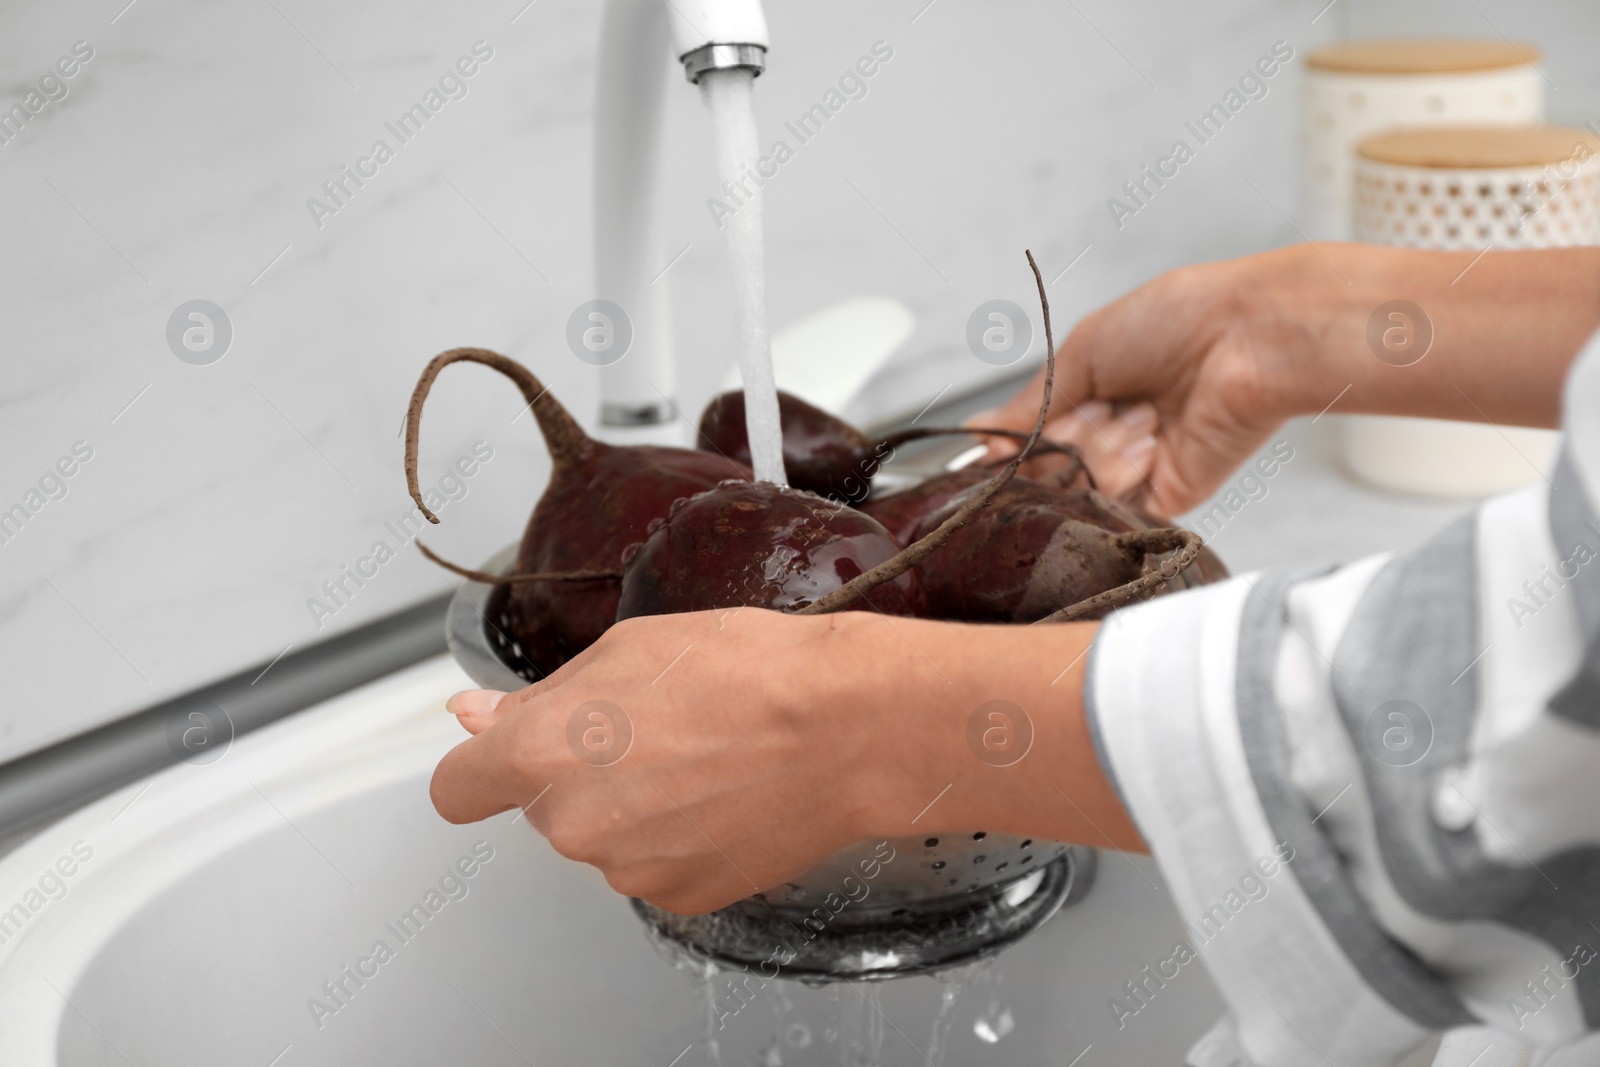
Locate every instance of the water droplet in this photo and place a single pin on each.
(798, 1036)
(994, 1024)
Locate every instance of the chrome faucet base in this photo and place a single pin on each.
(649, 413)
(751, 57)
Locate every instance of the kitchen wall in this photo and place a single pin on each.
(210, 499)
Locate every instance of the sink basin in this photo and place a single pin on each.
(233, 912)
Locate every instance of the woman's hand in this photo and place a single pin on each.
(669, 754)
(1174, 385)
(1169, 389)
(696, 759)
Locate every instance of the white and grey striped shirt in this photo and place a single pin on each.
(1420, 735)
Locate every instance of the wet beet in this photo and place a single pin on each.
(758, 545)
(1033, 550)
(600, 499)
(587, 516)
(821, 453)
(901, 513)
(1016, 556)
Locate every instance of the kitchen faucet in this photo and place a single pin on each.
(637, 40)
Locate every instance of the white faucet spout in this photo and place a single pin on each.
(698, 23)
(639, 40)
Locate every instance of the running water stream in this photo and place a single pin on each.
(952, 984)
(781, 1034)
(733, 122)
(860, 1030)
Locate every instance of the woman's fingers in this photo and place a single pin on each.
(1125, 449)
(479, 778)
(490, 771)
(478, 709)
(1118, 446)
(1074, 392)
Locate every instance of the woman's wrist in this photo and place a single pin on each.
(1297, 307)
(1460, 335)
(963, 727)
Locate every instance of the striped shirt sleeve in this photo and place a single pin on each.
(1374, 790)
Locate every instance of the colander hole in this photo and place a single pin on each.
(980, 835)
(896, 913)
(938, 865)
(1026, 859)
(1028, 843)
(1000, 867)
(949, 883)
(978, 859)
(932, 842)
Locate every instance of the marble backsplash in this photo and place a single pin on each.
(212, 501)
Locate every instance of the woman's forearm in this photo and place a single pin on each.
(697, 758)
(984, 728)
(1504, 325)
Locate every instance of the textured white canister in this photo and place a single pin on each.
(1359, 88)
(1466, 188)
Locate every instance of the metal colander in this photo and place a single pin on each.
(936, 901)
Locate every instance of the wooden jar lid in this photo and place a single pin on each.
(1478, 147)
(1422, 55)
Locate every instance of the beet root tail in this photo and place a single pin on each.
(562, 435)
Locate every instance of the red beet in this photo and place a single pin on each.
(1033, 550)
(821, 453)
(1012, 561)
(600, 499)
(1207, 567)
(758, 545)
(902, 513)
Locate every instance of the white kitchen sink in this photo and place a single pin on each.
(216, 900)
